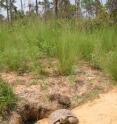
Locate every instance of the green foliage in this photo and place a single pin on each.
(7, 98)
(88, 5)
(19, 50)
(26, 41)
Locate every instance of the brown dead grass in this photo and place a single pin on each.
(85, 83)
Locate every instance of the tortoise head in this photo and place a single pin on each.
(73, 120)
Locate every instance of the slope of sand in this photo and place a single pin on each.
(99, 111)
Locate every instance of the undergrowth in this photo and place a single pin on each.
(26, 41)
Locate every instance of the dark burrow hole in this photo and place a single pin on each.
(31, 115)
(30, 121)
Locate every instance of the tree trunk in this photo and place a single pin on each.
(56, 8)
(29, 6)
(113, 10)
(78, 9)
(10, 9)
(22, 8)
(113, 5)
(98, 7)
(7, 6)
(36, 6)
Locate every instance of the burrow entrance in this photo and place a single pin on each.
(30, 115)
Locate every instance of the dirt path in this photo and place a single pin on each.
(99, 111)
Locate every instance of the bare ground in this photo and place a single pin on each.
(99, 111)
(37, 89)
(58, 91)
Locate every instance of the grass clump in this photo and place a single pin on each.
(7, 98)
(66, 53)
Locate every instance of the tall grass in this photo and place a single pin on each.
(7, 98)
(23, 43)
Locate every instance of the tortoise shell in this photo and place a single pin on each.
(58, 114)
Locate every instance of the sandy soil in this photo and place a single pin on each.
(99, 111)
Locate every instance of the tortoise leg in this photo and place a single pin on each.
(73, 120)
(57, 123)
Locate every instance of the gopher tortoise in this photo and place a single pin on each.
(63, 116)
